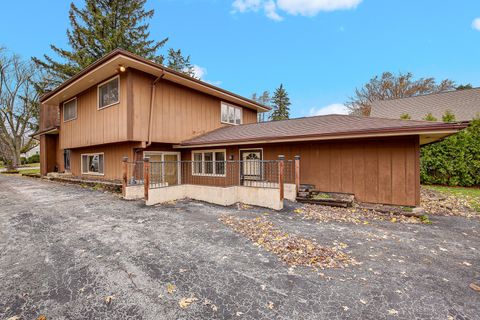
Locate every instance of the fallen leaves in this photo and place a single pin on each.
(294, 251)
(186, 302)
(171, 288)
(350, 215)
(108, 299)
(392, 312)
(443, 204)
(42, 317)
(475, 287)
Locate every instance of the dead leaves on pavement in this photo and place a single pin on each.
(350, 215)
(291, 249)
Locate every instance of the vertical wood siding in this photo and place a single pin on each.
(113, 155)
(93, 126)
(179, 113)
(378, 171)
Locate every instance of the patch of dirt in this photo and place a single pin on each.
(445, 205)
(293, 250)
(351, 215)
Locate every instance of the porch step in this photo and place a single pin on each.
(333, 199)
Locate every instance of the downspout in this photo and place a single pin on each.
(152, 100)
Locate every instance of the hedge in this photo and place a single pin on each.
(454, 161)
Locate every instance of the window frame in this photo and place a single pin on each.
(89, 172)
(234, 107)
(98, 92)
(214, 168)
(63, 109)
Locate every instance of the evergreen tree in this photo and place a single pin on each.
(281, 104)
(98, 28)
(178, 62)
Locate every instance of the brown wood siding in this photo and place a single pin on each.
(179, 113)
(378, 171)
(93, 126)
(49, 117)
(113, 156)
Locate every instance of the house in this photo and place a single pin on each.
(464, 104)
(199, 134)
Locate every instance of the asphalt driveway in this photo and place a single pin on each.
(72, 253)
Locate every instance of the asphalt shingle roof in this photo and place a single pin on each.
(329, 125)
(465, 105)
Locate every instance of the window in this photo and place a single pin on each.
(108, 93)
(209, 163)
(70, 110)
(231, 114)
(92, 163)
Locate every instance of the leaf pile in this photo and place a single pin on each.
(351, 215)
(446, 205)
(294, 251)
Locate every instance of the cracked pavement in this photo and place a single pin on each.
(64, 249)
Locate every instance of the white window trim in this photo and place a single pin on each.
(203, 163)
(63, 110)
(162, 153)
(92, 173)
(98, 93)
(228, 105)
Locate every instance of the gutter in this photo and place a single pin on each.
(152, 100)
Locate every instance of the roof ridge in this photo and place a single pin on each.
(428, 94)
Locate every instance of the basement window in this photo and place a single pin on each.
(209, 163)
(92, 163)
(70, 110)
(109, 93)
(231, 114)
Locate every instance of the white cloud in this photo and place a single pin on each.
(335, 108)
(246, 5)
(293, 7)
(312, 7)
(476, 24)
(199, 72)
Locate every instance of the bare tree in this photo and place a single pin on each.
(18, 107)
(391, 86)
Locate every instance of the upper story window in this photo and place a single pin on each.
(70, 110)
(231, 114)
(109, 93)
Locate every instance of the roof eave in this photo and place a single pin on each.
(443, 129)
(172, 73)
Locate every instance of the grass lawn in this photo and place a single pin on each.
(471, 194)
(30, 171)
(31, 165)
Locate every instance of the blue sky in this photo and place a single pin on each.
(319, 49)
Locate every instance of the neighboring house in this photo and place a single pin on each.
(31, 152)
(464, 104)
(127, 106)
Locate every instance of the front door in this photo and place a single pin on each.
(251, 164)
(171, 168)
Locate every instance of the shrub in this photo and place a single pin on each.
(448, 116)
(429, 117)
(454, 161)
(34, 158)
(405, 116)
